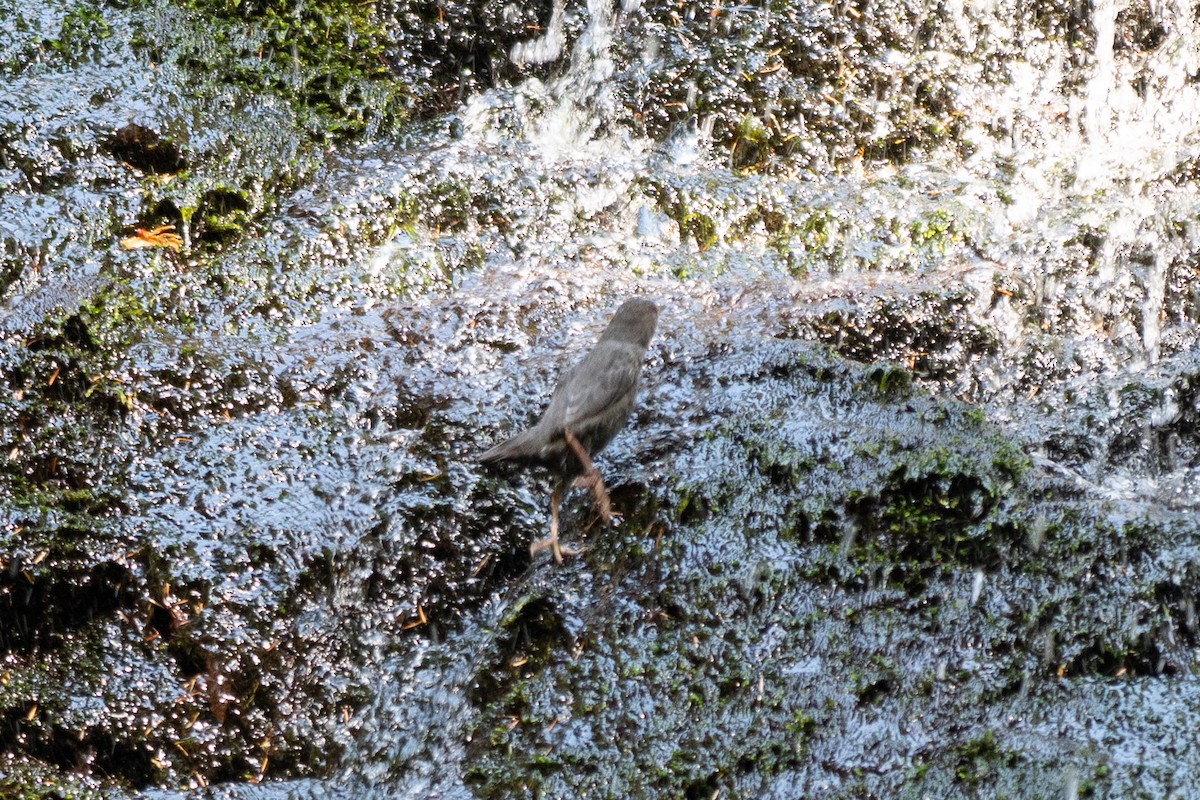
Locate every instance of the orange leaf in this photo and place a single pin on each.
(159, 237)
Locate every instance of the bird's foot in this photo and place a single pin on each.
(591, 478)
(556, 549)
(551, 541)
(593, 481)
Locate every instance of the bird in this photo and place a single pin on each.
(591, 403)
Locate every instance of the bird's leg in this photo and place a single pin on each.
(591, 478)
(552, 540)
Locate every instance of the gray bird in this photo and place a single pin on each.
(591, 403)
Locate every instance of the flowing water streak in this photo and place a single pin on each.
(580, 99)
(1140, 121)
(413, 736)
(1096, 182)
(1140, 115)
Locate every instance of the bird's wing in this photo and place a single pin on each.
(601, 380)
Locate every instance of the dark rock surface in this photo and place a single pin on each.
(910, 498)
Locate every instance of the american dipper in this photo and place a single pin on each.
(591, 403)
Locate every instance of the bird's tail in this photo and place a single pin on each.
(517, 448)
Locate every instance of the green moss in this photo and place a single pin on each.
(802, 725)
(35, 689)
(116, 316)
(935, 229)
(27, 779)
(700, 227)
(448, 206)
(892, 380)
(81, 29)
(779, 234)
(223, 215)
(980, 758)
(816, 228)
(326, 58)
(751, 147)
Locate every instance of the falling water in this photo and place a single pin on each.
(839, 571)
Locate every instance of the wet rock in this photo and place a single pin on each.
(145, 149)
(912, 482)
